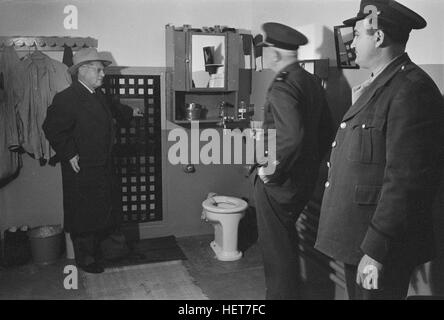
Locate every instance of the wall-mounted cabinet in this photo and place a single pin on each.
(209, 83)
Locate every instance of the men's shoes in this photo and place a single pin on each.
(93, 268)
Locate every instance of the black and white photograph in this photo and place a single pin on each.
(217, 156)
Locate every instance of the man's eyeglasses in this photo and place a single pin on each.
(98, 69)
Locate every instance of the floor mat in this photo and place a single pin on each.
(155, 281)
(154, 250)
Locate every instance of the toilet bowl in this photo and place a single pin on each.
(224, 213)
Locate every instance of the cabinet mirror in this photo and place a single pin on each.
(208, 61)
(345, 54)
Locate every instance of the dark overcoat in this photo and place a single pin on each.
(384, 170)
(297, 109)
(79, 122)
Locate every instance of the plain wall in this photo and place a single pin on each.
(132, 30)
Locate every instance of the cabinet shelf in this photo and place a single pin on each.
(232, 125)
(209, 90)
(200, 121)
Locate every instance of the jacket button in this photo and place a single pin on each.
(334, 144)
(402, 68)
(363, 126)
(327, 184)
(343, 125)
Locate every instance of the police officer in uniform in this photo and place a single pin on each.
(385, 161)
(297, 109)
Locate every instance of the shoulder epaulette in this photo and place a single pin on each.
(282, 76)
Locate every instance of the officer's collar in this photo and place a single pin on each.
(289, 67)
(398, 65)
(378, 71)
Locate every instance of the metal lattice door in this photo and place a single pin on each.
(137, 153)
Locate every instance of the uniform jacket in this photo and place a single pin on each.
(79, 122)
(297, 109)
(384, 170)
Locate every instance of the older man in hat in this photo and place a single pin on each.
(297, 110)
(79, 126)
(385, 162)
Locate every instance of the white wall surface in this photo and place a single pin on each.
(132, 30)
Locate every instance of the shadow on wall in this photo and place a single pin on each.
(327, 47)
(338, 95)
(4, 182)
(338, 88)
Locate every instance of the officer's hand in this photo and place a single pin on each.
(369, 273)
(75, 163)
(137, 112)
(262, 175)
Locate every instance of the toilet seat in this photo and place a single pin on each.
(224, 205)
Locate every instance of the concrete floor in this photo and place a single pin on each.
(238, 280)
(242, 279)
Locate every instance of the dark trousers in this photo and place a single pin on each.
(278, 240)
(394, 284)
(98, 246)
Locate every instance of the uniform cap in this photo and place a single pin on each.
(282, 36)
(391, 12)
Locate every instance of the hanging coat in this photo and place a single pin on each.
(81, 123)
(11, 74)
(43, 78)
(9, 160)
(10, 94)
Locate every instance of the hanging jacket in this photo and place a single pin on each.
(11, 74)
(43, 78)
(9, 161)
(10, 93)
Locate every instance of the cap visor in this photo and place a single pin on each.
(263, 44)
(352, 21)
(359, 17)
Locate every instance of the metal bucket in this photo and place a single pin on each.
(46, 244)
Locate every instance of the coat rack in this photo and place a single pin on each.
(24, 43)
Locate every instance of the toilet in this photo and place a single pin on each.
(224, 213)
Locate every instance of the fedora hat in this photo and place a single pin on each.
(84, 56)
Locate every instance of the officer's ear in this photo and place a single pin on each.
(276, 55)
(380, 38)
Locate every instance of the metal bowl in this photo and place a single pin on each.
(193, 111)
